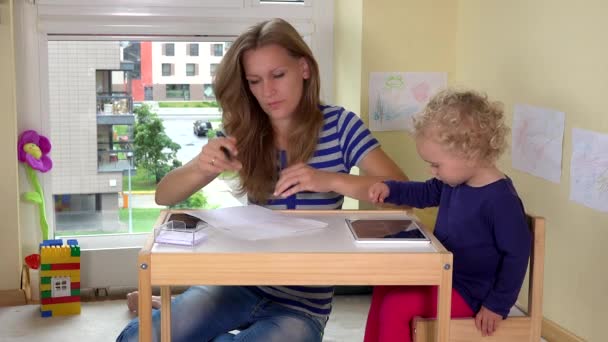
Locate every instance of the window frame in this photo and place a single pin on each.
(165, 20)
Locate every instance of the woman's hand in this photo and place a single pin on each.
(301, 177)
(219, 155)
(378, 192)
(487, 321)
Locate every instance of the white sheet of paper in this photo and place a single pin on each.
(538, 134)
(395, 97)
(253, 222)
(589, 169)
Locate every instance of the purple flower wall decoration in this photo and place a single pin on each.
(32, 151)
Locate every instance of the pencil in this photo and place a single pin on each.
(223, 148)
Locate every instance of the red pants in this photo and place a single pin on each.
(393, 308)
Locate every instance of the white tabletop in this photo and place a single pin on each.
(335, 238)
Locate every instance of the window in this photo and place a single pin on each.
(131, 59)
(93, 191)
(213, 69)
(217, 50)
(191, 69)
(75, 182)
(192, 49)
(148, 93)
(61, 287)
(169, 49)
(167, 69)
(208, 92)
(178, 91)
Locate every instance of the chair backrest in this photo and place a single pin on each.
(536, 273)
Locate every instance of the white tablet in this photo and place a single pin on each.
(387, 231)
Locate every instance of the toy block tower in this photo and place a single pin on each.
(59, 278)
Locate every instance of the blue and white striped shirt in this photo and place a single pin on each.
(343, 142)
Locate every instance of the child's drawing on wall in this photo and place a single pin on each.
(538, 134)
(394, 97)
(589, 169)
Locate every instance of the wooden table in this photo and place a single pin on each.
(325, 256)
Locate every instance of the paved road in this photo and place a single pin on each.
(205, 112)
(179, 123)
(180, 131)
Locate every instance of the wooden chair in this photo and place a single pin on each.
(526, 328)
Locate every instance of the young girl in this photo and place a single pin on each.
(481, 219)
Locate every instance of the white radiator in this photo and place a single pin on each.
(104, 268)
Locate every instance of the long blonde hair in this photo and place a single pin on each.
(244, 119)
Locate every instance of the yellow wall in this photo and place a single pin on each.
(406, 35)
(550, 54)
(9, 195)
(545, 53)
(347, 54)
(347, 63)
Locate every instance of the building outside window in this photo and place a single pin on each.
(100, 205)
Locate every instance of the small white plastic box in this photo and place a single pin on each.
(176, 233)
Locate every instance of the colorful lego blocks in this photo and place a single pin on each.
(59, 278)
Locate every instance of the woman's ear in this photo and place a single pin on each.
(305, 68)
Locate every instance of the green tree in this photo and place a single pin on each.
(154, 150)
(197, 200)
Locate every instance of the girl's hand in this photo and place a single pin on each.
(378, 192)
(487, 321)
(219, 155)
(301, 177)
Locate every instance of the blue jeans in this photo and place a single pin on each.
(208, 313)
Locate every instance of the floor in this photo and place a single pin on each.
(103, 320)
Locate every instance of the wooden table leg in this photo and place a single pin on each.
(445, 299)
(165, 314)
(144, 306)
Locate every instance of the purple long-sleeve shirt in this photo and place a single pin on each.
(485, 229)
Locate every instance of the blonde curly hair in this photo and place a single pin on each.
(466, 123)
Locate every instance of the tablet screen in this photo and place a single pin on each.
(386, 230)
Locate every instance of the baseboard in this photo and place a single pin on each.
(12, 297)
(553, 332)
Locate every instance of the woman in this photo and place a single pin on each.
(290, 152)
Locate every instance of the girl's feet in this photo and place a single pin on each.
(133, 301)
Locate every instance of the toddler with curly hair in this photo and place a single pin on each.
(481, 219)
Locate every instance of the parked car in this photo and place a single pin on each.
(201, 127)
